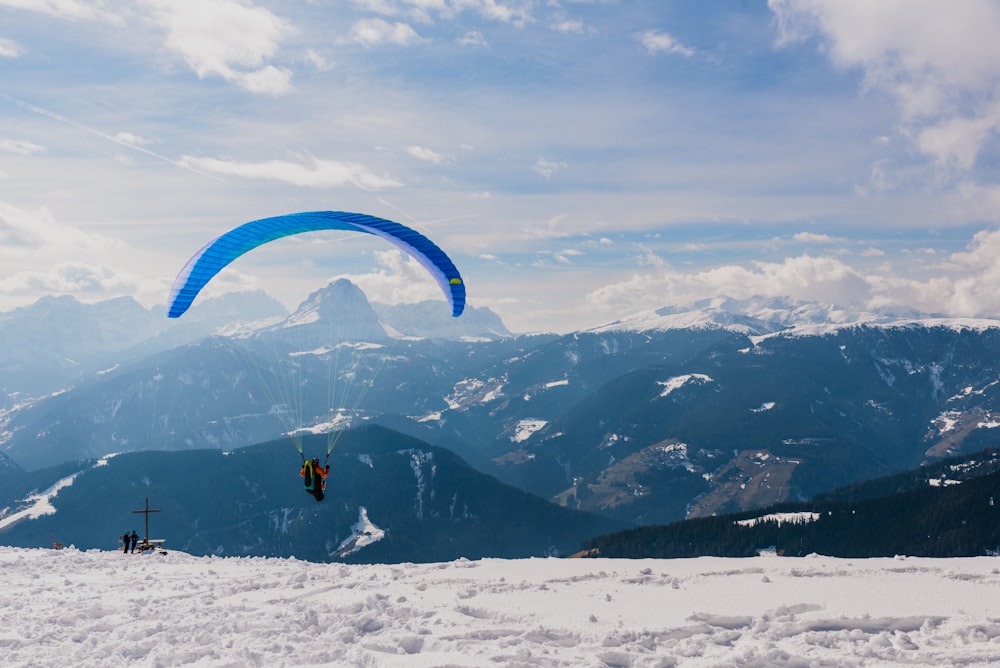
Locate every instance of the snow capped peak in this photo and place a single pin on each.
(331, 300)
(339, 311)
(432, 319)
(764, 316)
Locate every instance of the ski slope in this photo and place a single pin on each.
(103, 608)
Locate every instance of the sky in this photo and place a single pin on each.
(98, 608)
(579, 160)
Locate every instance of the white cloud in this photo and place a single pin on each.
(375, 32)
(566, 255)
(957, 141)
(19, 146)
(23, 231)
(822, 279)
(499, 11)
(546, 168)
(880, 179)
(517, 13)
(963, 285)
(398, 279)
(226, 38)
(647, 257)
(315, 173)
(602, 242)
(269, 80)
(386, 7)
(425, 154)
(977, 202)
(75, 278)
(813, 238)
(569, 26)
(939, 61)
(86, 10)
(318, 61)
(43, 256)
(9, 48)
(473, 38)
(655, 41)
(132, 139)
(418, 10)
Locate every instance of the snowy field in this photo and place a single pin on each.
(98, 608)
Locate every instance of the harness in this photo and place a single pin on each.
(310, 475)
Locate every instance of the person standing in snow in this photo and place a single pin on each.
(135, 539)
(125, 541)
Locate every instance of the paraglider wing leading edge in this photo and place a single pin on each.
(222, 250)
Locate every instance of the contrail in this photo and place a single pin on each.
(79, 126)
(414, 221)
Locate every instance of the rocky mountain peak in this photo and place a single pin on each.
(338, 311)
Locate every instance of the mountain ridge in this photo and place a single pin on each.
(49, 345)
(760, 317)
(946, 509)
(640, 425)
(429, 504)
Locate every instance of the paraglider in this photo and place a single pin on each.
(227, 247)
(222, 250)
(314, 477)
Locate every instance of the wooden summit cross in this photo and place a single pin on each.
(146, 512)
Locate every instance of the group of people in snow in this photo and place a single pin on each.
(129, 539)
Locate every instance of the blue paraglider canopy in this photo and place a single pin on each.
(225, 248)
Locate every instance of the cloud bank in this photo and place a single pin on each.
(940, 62)
(962, 284)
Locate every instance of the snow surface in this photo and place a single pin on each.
(678, 382)
(526, 428)
(781, 518)
(338, 422)
(363, 533)
(40, 504)
(103, 608)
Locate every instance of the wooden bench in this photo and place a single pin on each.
(152, 544)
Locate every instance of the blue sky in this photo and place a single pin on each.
(580, 160)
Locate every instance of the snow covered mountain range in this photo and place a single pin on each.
(57, 341)
(763, 316)
(721, 406)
